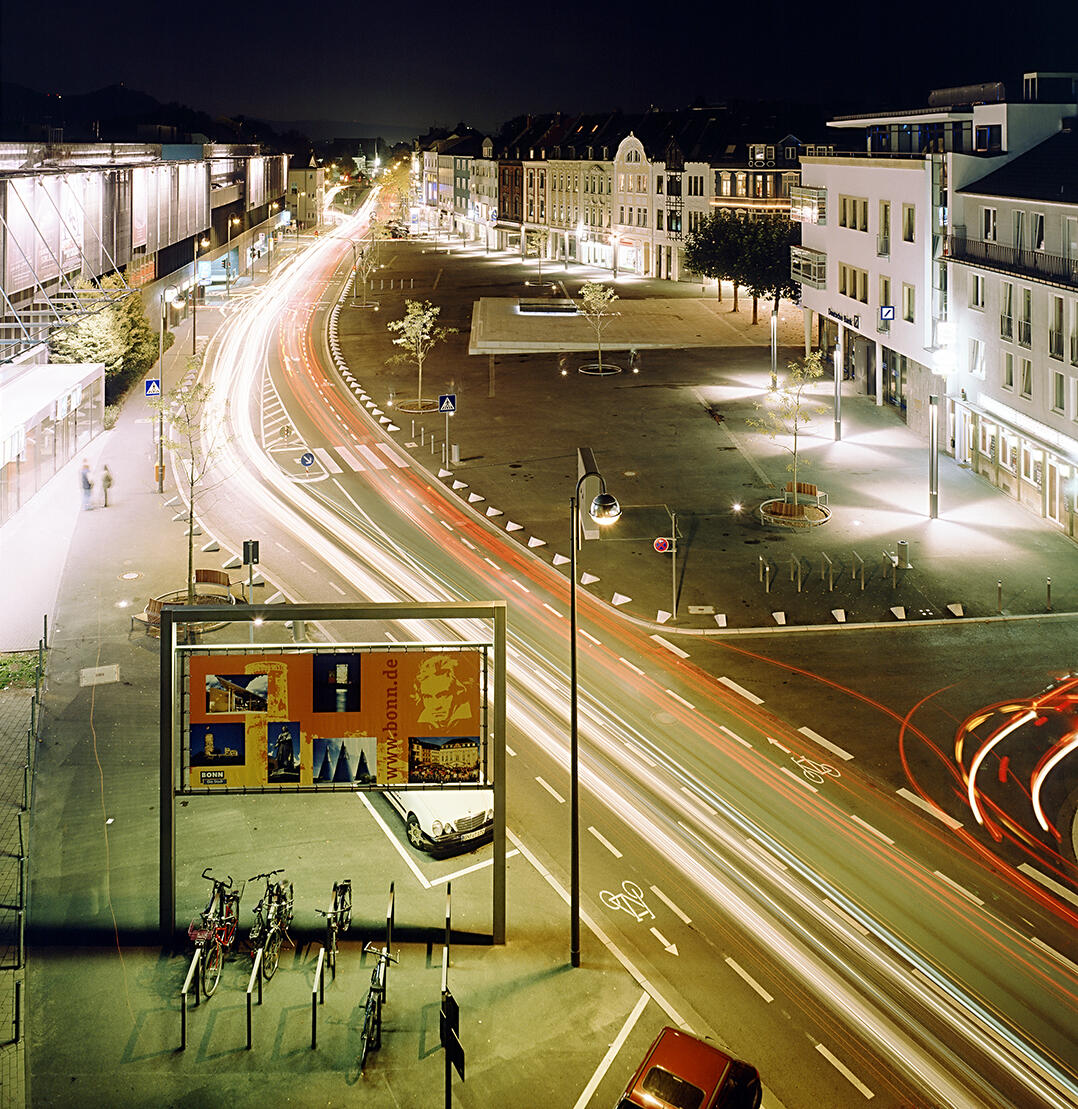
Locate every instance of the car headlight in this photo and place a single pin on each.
(437, 828)
(489, 816)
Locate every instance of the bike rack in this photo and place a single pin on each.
(827, 570)
(196, 961)
(858, 563)
(256, 976)
(318, 995)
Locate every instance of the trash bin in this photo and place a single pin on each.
(904, 554)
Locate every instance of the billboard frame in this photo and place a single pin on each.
(174, 620)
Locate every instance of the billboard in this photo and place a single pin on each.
(358, 717)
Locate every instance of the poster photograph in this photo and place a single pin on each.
(377, 716)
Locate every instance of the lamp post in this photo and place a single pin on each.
(194, 295)
(228, 257)
(774, 348)
(604, 510)
(161, 371)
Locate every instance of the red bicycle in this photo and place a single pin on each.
(215, 929)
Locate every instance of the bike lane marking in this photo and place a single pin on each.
(875, 831)
(797, 778)
(670, 947)
(669, 904)
(845, 1072)
(748, 978)
(832, 747)
(731, 684)
(551, 790)
(604, 841)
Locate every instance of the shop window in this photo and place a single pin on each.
(1008, 451)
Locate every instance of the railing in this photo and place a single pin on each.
(808, 266)
(883, 246)
(1006, 327)
(883, 326)
(1055, 343)
(1025, 333)
(1030, 263)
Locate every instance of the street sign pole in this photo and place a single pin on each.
(673, 564)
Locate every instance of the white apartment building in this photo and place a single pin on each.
(306, 195)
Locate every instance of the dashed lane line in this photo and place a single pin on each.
(832, 747)
(874, 831)
(670, 905)
(797, 778)
(846, 1073)
(550, 789)
(334, 585)
(928, 807)
(841, 912)
(733, 735)
(748, 979)
(957, 888)
(670, 646)
(604, 841)
(1048, 883)
(631, 666)
(590, 637)
(741, 690)
(678, 697)
(551, 608)
(1071, 966)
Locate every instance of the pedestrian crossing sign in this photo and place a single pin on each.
(153, 386)
(447, 402)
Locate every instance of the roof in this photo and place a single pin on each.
(1047, 172)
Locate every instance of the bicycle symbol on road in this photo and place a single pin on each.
(815, 771)
(630, 900)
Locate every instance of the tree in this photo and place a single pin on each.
(114, 332)
(185, 408)
(417, 336)
(788, 410)
(765, 258)
(595, 304)
(714, 249)
(366, 264)
(535, 243)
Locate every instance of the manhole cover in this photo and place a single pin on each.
(130, 575)
(99, 675)
(663, 718)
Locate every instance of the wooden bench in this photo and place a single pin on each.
(214, 577)
(150, 618)
(785, 508)
(804, 489)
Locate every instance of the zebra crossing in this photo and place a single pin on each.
(358, 457)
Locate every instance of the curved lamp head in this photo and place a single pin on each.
(605, 508)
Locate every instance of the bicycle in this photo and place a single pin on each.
(215, 930)
(273, 915)
(338, 917)
(371, 1037)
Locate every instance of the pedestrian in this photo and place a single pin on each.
(86, 485)
(106, 483)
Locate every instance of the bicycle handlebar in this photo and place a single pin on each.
(381, 952)
(269, 875)
(208, 875)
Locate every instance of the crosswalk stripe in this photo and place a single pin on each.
(393, 457)
(353, 462)
(371, 457)
(327, 460)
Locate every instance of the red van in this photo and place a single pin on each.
(683, 1072)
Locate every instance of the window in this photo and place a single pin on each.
(1006, 311)
(659, 219)
(1007, 370)
(1055, 328)
(976, 290)
(727, 184)
(853, 213)
(1059, 393)
(659, 184)
(976, 357)
(1027, 378)
(885, 290)
(909, 223)
(1008, 450)
(1025, 319)
(1036, 227)
(988, 225)
(909, 302)
(1019, 230)
(853, 282)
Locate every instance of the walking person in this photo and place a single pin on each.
(86, 485)
(106, 483)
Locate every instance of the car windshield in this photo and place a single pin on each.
(673, 1090)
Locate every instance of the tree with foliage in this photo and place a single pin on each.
(535, 242)
(198, 442)
(765, 258)
(596, 306)
(417, 335)
(787, 410)
(366, 264)
(115, 332)
(714, 249)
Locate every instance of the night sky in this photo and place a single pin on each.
(415, 65)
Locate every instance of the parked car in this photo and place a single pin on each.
(681, 1071)
(445, 821)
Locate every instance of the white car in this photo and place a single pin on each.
(441, 821)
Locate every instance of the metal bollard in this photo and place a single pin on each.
(999, 596)
(1048, 588)
(767, 577)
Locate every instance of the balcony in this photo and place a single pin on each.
(1055, 343)
(808, 204)
(882, 326)
(883, 246)
(808, 266)
(1006, 327)
(1008, 259)
(1025, 333)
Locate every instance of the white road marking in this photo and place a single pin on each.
(371, 457)
(765, 852)
(604, 841)
(491, 562)
(353, 462)
(929, 808)
(839, 911)
(1048, 883)
(334, 585)
(874, 831)
(687, 704)
(703, 804)
(671, 947)
(519, 586)
(510, 752)
(468, 870)
(448, 527)
(393, 840)
(550, 789)
(469, 545)
(960, 889)
(392, 455)
(670, 646)
(798, 778)
(630, 665)
(552, 609)
(734, 735)
(1072, 966)
(326, 459)
(845, 1072)
(781, 746)
(670, 905)
(600, 1071)
(640, 754)
(832, 747)
(748, 978)
(741, 690)
(589, 636)
(308, 566)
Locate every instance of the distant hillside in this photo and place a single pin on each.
(321, 130)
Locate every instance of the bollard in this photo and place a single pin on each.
(411, 282)
(18, 1010)
(413, 429)
(767, 577)
(1048, 588)
(999, 596)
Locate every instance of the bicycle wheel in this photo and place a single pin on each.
(366, 1041)
(231, 922)
(212, 957)
(271, 956)
(344, 904)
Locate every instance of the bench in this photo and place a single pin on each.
(785, 508)
(150, 618)
(214, 577)
(804, 489)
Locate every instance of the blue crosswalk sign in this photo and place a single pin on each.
(153, 386)
(447, 402)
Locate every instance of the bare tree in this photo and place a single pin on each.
(189, 432)
(535, 243)
(366, 264)
(788, 409)
(417, 335)
(595, 305)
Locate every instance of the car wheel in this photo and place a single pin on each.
(415, 833)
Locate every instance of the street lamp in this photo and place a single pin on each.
(604, 510)
(194, 294)
(165, 299)
(774, 348)
(228, 257)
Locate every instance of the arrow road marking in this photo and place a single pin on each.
(671, 947)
